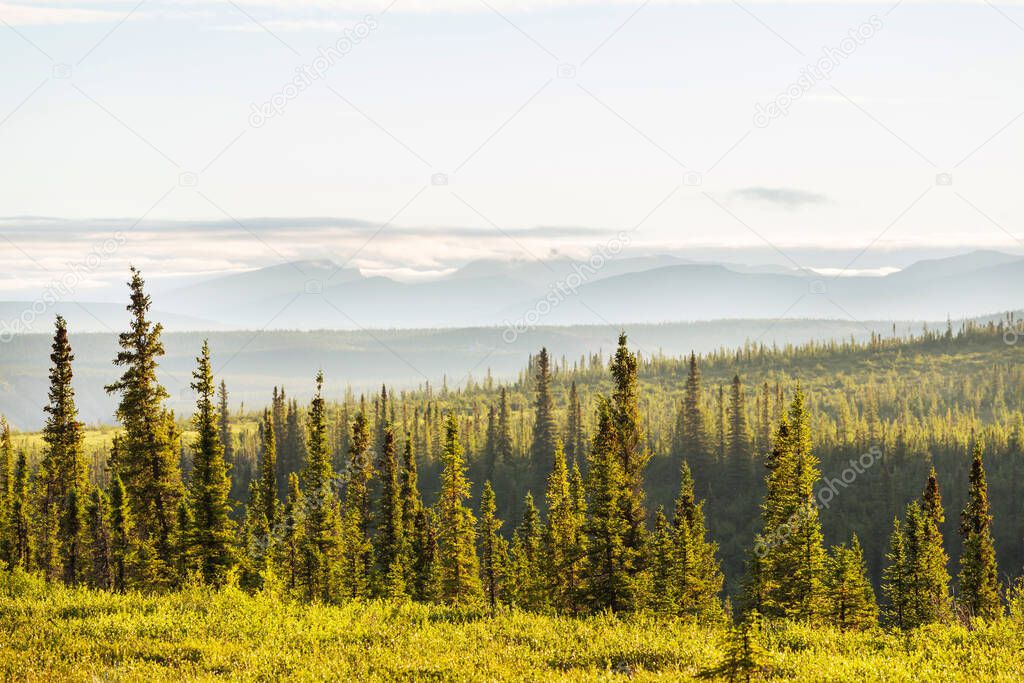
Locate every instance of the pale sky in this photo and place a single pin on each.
(456, 124)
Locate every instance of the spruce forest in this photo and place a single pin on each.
(832, 511)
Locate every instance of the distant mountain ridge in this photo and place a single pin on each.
(321, 294)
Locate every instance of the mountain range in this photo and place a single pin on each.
(319, 294)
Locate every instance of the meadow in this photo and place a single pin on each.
(58, 633)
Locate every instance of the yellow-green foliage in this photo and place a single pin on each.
(59, 633)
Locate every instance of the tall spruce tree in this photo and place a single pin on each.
(146, 459)
(224, 424)
(460, 571)
(62, 478)
(979, 576)
(631, 447)
(692, 440)
(390, 539)
(212, 534)
(738, 458)
(574, 439)
(611, 564)
(356, 547)
(527, 587)
(542, 449)
(288, 549)
(320, 536)
(267, 474)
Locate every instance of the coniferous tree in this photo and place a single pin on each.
(99, 568)
(542, 450)
(697, 572)
(146, 459)
(123, 548)
(631, 448)
(739, 435)
(6, 467)
(493, 548)
(979, 576)
(292, 455)
(527, 588)
(426, 586)
(212, 531)
(850, 596)
(563, 538)
(503, 440)
(288, 549)
(356, 548)
(267, 475)
(17, 535)
(611, 564)
(787, 579)
(390, 539)
(896, 578)
(692, 437)
(665, 578)
(320, 536)
(459, 567)
(256, 540)
(62, 475)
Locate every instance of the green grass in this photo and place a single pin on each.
(58, 633)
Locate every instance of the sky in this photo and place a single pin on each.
(408, 137)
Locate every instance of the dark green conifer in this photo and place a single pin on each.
(979, 576)
(493, 548)
(851, 600)
(212, 532)
(459, 567)
(146, 459)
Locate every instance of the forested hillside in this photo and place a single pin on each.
(403, 471)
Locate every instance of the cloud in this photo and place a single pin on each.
(35, 15)
(785, 197)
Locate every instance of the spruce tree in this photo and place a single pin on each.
(631, 447)
(146, 460)
(787, 577)
(493, 548)
(356, 548)
(574, 441)
(267, 475)
(692, 438)
(390, 538)
(611, 564)
(320, 536)
(542, 450)
(212, 531)
(72, 545)
(288, 548)
(697, 571)
(62, 478)
(979, 576)
(459, 568)
(123, 550)
(99, 568)
(850, 596)
(256, 541)
(527, 588)
(426, 585)
(664, 567)
(563, 538)
(17, 538)
(896, 579)
(739, 452)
